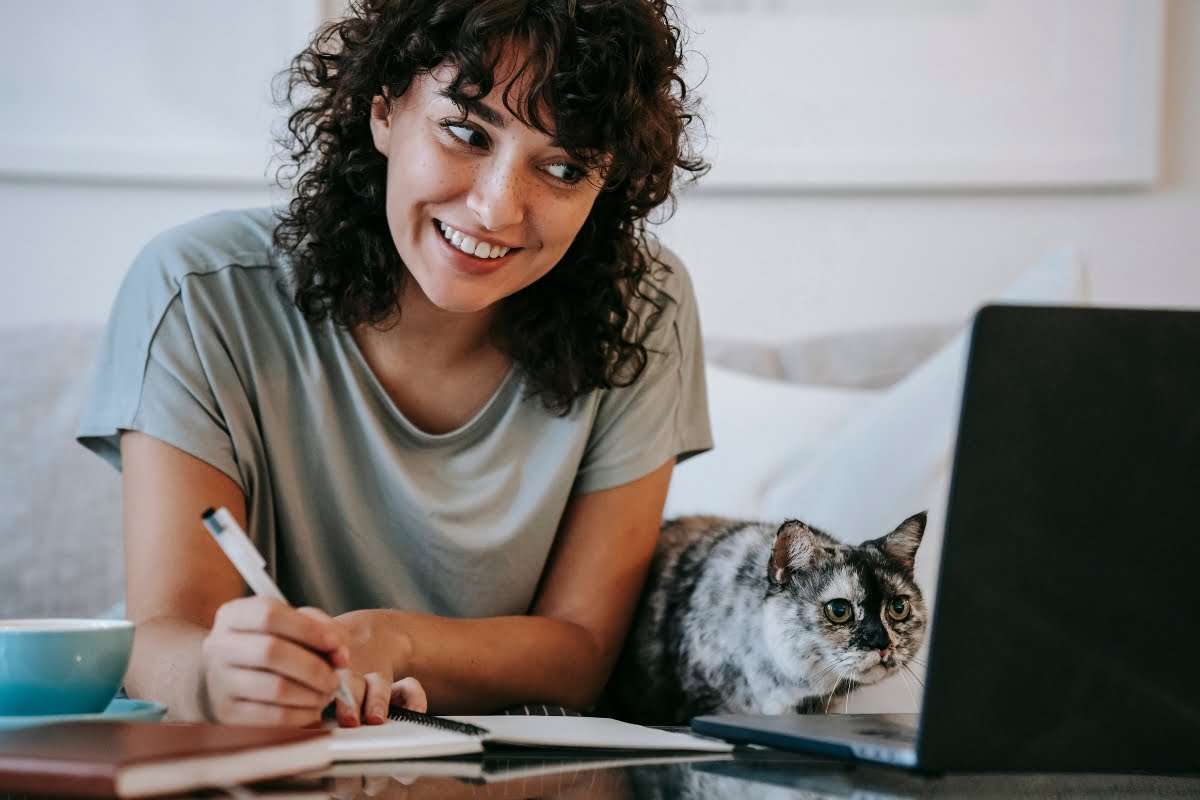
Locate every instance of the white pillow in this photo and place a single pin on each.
(867, 359)
(759, 427)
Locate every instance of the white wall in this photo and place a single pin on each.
(770, 265)
(778, 265)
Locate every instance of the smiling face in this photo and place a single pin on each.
(479, 206)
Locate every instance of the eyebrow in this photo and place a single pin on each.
(478, 108)
(486, 113)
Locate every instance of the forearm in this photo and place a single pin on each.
(165, 667)
(480, 665)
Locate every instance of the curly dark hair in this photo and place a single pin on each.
(606, 74)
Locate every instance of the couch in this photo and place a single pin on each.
(850, 432)
(61, 526)
(61, 509)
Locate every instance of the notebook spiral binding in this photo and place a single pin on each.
(408, 715)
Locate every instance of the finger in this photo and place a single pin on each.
(249, 712)
(339, 651)
(376, 785)
(346, 787)
(409, 693)
(375, 702)
(271, 688)
(280, 656)
(350, 716)
(266, 615)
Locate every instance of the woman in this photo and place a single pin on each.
(443, 391)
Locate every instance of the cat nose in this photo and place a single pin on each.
(879, 641)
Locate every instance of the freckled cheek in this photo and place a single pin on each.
(564, 224)
(517, 190)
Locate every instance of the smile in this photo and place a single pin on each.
(470, 245)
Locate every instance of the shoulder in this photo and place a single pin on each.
(667, 304)
(208, 244)
(668, 274)
(200, 252)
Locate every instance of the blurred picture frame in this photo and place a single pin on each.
(845, 95)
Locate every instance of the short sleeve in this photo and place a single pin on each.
(158, 364)
(664, 413)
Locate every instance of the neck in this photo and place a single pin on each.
(420, 332)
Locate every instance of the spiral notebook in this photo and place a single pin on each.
(408, 735)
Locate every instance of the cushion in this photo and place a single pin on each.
(872, 359)
(62, 511)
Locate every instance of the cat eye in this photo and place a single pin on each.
(839, 611)
(898, 608)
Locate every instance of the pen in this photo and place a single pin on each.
(250, 563)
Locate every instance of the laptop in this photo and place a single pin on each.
(1065, 630)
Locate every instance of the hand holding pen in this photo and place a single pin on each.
(297, 676)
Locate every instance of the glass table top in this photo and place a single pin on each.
(749, 773)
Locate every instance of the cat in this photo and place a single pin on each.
(738, 617)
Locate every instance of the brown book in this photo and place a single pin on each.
(141, 759)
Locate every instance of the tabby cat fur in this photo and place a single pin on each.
(753, 617)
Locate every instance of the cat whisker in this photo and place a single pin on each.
(815, 679)
(832, 668)
(908, 669)
(908, 688)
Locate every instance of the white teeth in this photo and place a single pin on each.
(470, 245)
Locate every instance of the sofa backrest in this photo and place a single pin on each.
(60, 505)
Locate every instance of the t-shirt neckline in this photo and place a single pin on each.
(476, 426)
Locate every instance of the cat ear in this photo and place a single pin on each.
(902, 543)
(795, 549)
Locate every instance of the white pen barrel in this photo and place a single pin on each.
(241, 552)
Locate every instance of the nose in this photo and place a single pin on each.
(879, 641)
(875, 636)
(498, 195)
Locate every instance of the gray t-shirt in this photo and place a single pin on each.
(351, 504)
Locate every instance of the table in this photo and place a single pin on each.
(750, 773)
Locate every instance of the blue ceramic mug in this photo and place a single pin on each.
(61, 666)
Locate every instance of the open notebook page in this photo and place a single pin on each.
(399, 739)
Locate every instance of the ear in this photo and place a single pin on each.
(795, 549)
(381, 123)
(902, 543)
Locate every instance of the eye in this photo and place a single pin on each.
(838, 611)
(472, 137)
(567, 173)
(898, 608)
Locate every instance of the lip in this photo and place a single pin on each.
(471, 265)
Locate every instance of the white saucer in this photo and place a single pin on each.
(118, 709)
